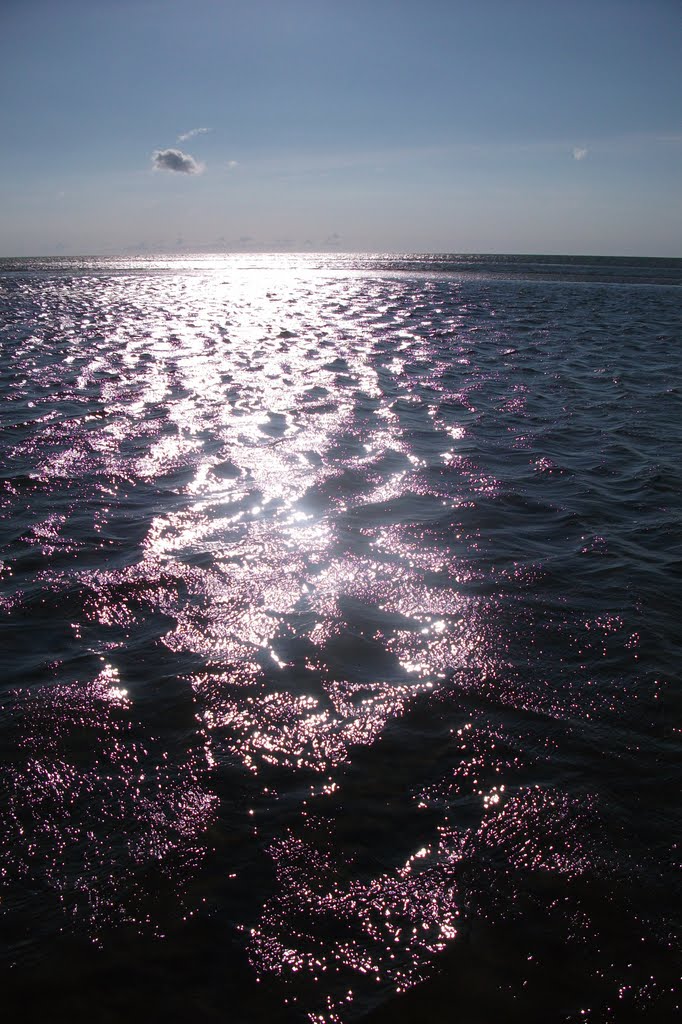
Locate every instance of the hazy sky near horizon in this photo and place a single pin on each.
(401, 125)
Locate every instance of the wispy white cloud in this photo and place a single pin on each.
(231, 164)
(175, 160)
(579, 152)
(192, 132)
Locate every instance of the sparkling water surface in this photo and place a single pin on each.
(341, 625)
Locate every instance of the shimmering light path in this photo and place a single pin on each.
(338, 609)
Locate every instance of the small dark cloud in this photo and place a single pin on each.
(175, 160)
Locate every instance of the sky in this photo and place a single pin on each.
(359, 125)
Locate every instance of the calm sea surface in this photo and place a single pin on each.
(341, 624)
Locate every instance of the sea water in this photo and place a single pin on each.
(340, 628)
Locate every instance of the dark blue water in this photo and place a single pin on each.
(341, 632)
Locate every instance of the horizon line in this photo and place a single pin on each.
(265, 251)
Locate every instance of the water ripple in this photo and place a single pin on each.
(349, 582)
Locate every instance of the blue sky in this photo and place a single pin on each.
(402, 125)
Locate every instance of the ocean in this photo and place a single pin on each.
(341, 627)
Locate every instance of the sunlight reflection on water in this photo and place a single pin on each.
(313, 553)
